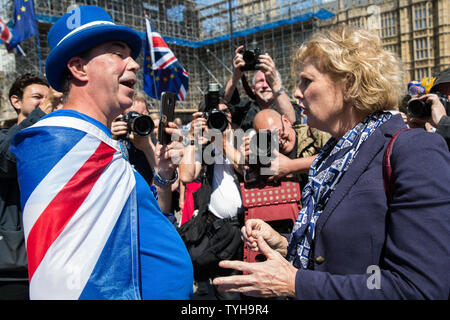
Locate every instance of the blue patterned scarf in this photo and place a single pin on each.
(324, 175)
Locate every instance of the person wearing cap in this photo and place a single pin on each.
(439, 119)
(93, 227)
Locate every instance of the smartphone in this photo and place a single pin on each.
(167, 112)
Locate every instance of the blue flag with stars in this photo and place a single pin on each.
(24, 22)
(162, 71)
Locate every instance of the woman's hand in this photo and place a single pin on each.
(255, 228)
(274, 277)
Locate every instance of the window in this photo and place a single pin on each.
(421, 73)
(391, 47)
(389, 24)
(358, 22)
(422, 16)
(422, 48)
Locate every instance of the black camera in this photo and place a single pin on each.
(262, 145)
(140, 124)
(215, 118)
(251, 59)
(421, 109)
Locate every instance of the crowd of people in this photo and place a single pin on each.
(92, 208)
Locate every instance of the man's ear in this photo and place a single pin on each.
(286, 120)
(16, 102)
(77, 66)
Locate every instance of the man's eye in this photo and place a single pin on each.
(119, 54)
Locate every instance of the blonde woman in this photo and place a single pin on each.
(350, 241)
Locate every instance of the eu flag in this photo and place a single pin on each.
(24, 22)
(162, 70)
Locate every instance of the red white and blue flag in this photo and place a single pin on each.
(5, 35)
(79, 211)
(162, 70)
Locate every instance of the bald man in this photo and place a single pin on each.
(299, 145)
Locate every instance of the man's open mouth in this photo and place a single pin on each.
(129, 83)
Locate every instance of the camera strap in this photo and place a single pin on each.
(247, 88)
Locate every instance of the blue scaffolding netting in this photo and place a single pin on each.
(322, 14)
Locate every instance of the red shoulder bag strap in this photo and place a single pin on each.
(389, 185)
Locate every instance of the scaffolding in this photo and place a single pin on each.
(203, 34)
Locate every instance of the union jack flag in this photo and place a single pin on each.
(79, 211)
(5, 35)
(162, 71)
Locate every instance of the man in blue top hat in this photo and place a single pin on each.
(92, 224)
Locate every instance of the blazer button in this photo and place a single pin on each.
(320, 259)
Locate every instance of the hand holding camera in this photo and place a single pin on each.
(238, 64)
(251, 59)
(198, 128)
(429, 107)
(215, 118)
(423, 106)
(134, 127)
(259, 152)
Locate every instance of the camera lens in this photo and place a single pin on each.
(143, 125)
(217, 120)
(249, 57)
(262, 144)
(419, 109)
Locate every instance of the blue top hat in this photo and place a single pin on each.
(80, 30)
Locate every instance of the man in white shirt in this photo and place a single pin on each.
(217, 163)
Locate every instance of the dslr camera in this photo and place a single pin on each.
(140, 124)
(421, 109)
(262, 145)
(251, 59)
(215, 118)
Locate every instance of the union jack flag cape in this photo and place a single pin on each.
(162, 71)
(78, 195)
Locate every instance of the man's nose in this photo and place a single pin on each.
(132, 65)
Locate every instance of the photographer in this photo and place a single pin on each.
(267, 87)
(298, 145)
(141, 149)
(136, 144)
(438, 103)
(218, 201)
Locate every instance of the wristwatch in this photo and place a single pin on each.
(279, 91)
